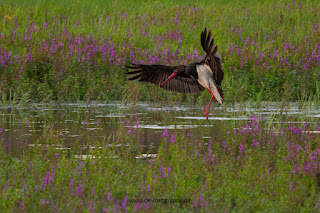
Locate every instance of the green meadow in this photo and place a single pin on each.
(259, 152)
(76, 50)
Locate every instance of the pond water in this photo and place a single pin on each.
(21, 126)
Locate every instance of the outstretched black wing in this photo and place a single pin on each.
(207, 43)
(157, 74)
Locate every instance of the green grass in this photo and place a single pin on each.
(269, 25)
(239, 171)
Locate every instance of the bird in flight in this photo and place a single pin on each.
(194, 78)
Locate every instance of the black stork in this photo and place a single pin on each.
(193, 78)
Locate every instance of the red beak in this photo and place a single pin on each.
(170, 77)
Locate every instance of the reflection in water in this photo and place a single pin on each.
(22, 126)
(213, 118)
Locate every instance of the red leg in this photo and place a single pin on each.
(207, 110)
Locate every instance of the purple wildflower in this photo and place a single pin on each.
(136, 207)
(52, 174)
(307, 167)
(242, 147)
(200, 199)
(296, 169)
(45, 181)
(137, 124)
(168, 171)
(30, 166)
(6, 186)
(224, 145)
(124, 202)
(173, 137)
(93, 191)
(161, 172)
(79, 190)
(43, 201)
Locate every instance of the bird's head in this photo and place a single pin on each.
(177, 72)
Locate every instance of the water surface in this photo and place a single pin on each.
(21, 126)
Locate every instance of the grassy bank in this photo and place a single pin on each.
(255, 167)
(76, 50)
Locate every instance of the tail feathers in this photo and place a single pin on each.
(218, 94)
(221, 93)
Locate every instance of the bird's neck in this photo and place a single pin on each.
(192, 70)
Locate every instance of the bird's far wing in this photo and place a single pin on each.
(207, 43)
(157, 74)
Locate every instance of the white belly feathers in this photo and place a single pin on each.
(205, 78)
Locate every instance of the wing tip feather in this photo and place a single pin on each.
(207, 42)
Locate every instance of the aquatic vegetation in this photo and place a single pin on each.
(272, 162)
